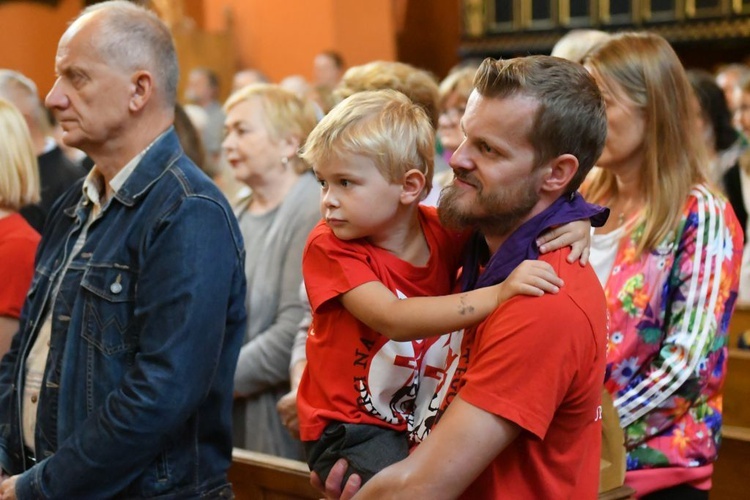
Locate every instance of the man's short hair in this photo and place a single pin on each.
(383, 125)
(22, 92)
(19, 171)
(335, 57)
(417, 84)
(134, 38)
(570, 118)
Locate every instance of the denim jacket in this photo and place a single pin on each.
(146, 328)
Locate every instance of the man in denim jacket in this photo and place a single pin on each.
(119, 382)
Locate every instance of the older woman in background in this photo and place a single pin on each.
(454, 92)
(724, 144)
(19, 186)
(265, 127)
(669, 259)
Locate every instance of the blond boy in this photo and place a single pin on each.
(373, 157)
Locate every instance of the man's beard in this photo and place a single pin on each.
(494, 214)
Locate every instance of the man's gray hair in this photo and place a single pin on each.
(134, 38)
(22, 92)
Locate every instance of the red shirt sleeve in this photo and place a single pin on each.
(332, 267)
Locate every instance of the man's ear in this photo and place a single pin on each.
(559, 173)
(142, 87)
(412, 187)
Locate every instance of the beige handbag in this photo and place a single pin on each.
(612, 466)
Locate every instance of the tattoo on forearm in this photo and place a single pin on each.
(463, 307)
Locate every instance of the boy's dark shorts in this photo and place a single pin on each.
(368, 449)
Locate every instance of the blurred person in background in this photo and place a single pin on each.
(56, 172)
(575, 44)
(454, 91)
(328, 68)
(19, 186)
(247, 77)
(265, 127)
(724, 144)
(729, 77)
(203, 89)
(669, 261)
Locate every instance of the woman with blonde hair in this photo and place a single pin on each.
(669, 259)
(454, 92)
(264, 129)
(19, 186)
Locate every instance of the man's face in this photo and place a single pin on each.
(496, 187)
(743, 112)
(198, 89)
(91, 96)
(325, 71)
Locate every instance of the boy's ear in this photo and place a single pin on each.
(560, 171)
(412, 187)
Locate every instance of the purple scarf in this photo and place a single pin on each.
(521, 245)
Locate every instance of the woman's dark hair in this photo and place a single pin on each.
(714, 108)
(190, 139)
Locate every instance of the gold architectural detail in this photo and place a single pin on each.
(520, 42)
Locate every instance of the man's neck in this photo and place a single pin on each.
(495, 240)
(207, 103)
(39, 141)
(115, 154)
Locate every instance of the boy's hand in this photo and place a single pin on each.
(576, 235)
(531, 277)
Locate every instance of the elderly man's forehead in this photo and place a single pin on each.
(85, 23)
(81, 33)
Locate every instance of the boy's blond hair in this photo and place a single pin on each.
(19, 171)
(383, 125)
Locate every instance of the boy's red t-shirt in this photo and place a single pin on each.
(354, 374)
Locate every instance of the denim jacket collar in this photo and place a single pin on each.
(165, 151)
(151, 167)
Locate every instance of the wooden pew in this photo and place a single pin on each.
(732, 469)
(257, 476)
(739, 323)
(736, 404)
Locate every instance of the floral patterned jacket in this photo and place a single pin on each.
(669, 312)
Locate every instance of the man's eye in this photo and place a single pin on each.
(344, 183)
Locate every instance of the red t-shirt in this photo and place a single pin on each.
(18, 242)
(354, 374)
(539, 362)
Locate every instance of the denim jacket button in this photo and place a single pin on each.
(115, 288)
